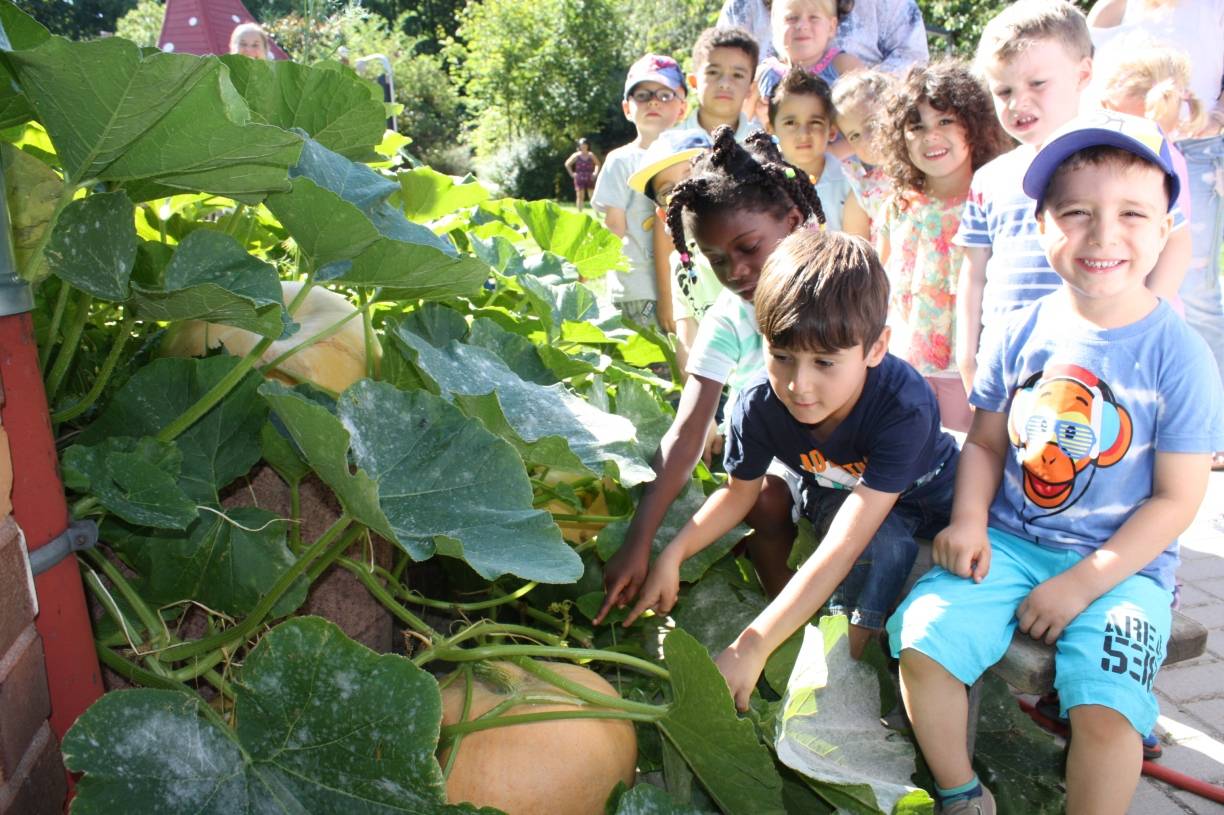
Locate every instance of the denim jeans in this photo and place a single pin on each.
(1200, 291)
(873, 587)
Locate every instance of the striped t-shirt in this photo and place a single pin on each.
(1000, 217)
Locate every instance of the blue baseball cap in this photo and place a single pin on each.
(669, 149)
(1101, 128)
(655, 68)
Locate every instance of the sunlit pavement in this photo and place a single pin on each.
(1192, 693)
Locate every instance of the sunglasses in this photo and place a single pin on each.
(643, 96)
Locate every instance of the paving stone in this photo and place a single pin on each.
(1192, 597)
(1215, 646)
(1210, 712)
(1197, 758)
(1192, 803)
(1200, 568)
(1183, 683)
(1150, 799)
(1213, 586)
(1209, 614)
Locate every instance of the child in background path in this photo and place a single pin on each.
(801, 117)
(654, 100)
(738, 204)
(724, 62)
(1036, 57)
(858, 104)
(939, 128)
(582, 167)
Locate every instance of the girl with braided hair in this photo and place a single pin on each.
(737, 204)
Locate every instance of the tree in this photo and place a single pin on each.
(142, 24)
(78, 20)
(551, 67)
(965, 19)
(666, 26)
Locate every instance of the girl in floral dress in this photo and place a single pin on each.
(939, 127)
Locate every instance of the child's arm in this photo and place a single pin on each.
(845, 62)
(718, 515)
(614, 220)
(1179, 482)
(963, 548)
(686, 335)
(854, 218)
(1166, 277)
(969, 288)
(662, 254)
(673, 464)
(853, 527)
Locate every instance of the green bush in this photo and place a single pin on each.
(527, 167)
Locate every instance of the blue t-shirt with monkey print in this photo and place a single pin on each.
(1087, 411)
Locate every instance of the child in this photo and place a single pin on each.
(1097, 409)
(858, 104)
(654, 100)
(801, 117)
(724, 61)
(860, 424)
(939, 128)
(739, 202)
(1036, 57)
(692, 289)
(803, 33)
(582, 166)
(250, 40)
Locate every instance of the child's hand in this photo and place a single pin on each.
(741, 666)
(623, 576)
(713, 445)
(1048, 609)
(662, 586)
(964, 550)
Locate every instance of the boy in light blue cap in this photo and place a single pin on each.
(1097, 409)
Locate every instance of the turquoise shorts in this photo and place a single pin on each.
(1108, 655)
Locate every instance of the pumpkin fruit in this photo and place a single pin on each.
(561, 767)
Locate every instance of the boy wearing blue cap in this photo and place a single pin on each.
(1097, 411)
(654, 101)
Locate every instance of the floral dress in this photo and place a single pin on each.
(872, 187)
(922, 268)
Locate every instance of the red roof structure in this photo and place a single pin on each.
(204, 27)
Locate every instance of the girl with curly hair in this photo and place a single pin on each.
(940, 127)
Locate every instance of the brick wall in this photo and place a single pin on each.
(32, 779)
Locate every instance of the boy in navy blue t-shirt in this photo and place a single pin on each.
(860, 425)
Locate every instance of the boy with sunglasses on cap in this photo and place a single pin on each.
(654, 101)
(1097, 411)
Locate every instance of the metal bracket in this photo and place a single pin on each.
(78, 536)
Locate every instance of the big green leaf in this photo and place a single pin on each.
(719, 606)
(333, 106)
(427, 194)
(519, 353)
(535, 412)
(734, 767)
(137, 479)
(18, 30)
(227, 560)
(220, 447)
(174, 121)
(678, 514)
(1019, 761)
(93, 245)
(645, 799)
(323, 725)
(830, 728)
(439, 479)
(636, 403)
(578, 238)
(211, 277)
(564, 303)
(33, 191)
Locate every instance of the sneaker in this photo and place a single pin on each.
(1152, 748)
(983, 804)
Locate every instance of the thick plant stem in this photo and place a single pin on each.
(215, 394)
(562, 518)
(57, 316)
(134, 673)
(104, 375)
(312, 574)
(295, 512)
(466, 671)
(68, 348)
(383, 596)
(584, 693)
(149, 618)
(507, 651)
(317, 337)
(459, 728)
(127, 632)
(367, 327)
(325, 548)
(420, 599)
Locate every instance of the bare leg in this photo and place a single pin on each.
(773, 534)
(1104, 761)
(938, 708)
(859, 638)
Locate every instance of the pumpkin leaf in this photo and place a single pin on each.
(281, 453)
(18, 31)
(323, 725)
(678, 514)
(519, 354)
(1019, 761)
(719, 606)
(427, 194)
(635, 402)
(733, 766)
(429, 478)
(32, 190)
(535, 412)
(562, 304)
(437, 324)
(137, 479)
(169, 121)
(93, 245)
(578, 238)
(220, 447)
(211, 277)
(830, 730)
(333, 106)
(227, 560)
(646, 799)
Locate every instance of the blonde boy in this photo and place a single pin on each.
(724, 62)
(1097, 409)
(1036, 58)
